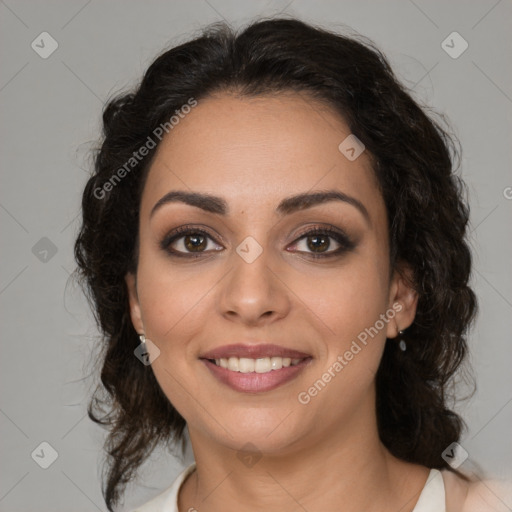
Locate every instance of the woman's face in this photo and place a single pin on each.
(247, 273)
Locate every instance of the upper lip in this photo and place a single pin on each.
(253, 352)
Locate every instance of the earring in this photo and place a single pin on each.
(142, 339)
(402, 345)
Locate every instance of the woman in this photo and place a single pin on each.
(273, 241)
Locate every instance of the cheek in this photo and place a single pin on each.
(171, 303)
(350, 301)
(350, 304)
(347, 299)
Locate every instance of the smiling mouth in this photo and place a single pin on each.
(260, 365)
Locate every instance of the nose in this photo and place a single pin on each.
(253, 293)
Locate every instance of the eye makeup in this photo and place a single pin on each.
(192, 237)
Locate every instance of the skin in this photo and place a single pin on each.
(254, 152)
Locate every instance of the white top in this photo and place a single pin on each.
(432, 497)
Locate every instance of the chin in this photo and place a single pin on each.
(268, 433)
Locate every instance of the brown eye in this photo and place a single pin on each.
(195, 242)
(188, 241)
(318, 243)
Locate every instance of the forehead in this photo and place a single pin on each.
(257, 150)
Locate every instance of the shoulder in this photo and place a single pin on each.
(476, 494)
(167, 500)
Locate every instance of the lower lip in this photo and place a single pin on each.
(255, 382)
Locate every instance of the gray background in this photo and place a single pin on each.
(50, 113)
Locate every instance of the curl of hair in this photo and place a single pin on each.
(413, 159)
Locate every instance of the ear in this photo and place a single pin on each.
(403, 299)
(135, 313)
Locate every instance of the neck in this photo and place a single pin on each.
(347, 469)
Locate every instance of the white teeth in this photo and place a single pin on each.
(276, 363)
(245, 365)
(261, 365)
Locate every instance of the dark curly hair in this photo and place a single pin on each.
(413, 158)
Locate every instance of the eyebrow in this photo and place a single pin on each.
(217, 205)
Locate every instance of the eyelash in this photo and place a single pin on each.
(346, 244)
